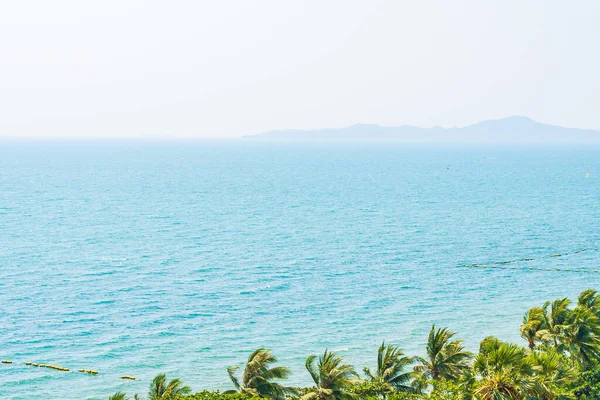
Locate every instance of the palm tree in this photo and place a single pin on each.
(257, 376)
(552, 373)
(579, 337)
(466, 384)
(533, 322)
(590, 300)
(160, 390)
(390, 369)
(504, 370)
(122, 396)
(554, 320)
(445, 359)
(333, 379)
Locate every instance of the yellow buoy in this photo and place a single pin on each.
(42, 365)
(6, 362)
(34, 364)
(95, 372)
(28, 363)
(88, 371)
(128, 377)
(82, 370)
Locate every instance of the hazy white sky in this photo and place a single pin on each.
(230, 68)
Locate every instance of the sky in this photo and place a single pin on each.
(131, 68)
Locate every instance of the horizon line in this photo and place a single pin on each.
(150, 136)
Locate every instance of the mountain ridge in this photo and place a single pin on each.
(515, 128)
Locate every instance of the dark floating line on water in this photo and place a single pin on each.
(529, 268)
(65, 369)
(498, 264)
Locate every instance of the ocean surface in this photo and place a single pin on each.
(140, 257)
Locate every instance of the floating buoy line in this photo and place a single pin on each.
(531, 268)
(503, 264)
(64, 369)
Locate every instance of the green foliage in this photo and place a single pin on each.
(161, 390)
(590, 300)
(373, 389)
(589, 386)
(574, 332)
(122, 396)
(334, 380)
(579, 336)
(553, 374)
(258, 376)
(554, 320)
(560, 362)
(442, 389)
(216, 395)
(446, 359)
(503, 369)
(400, 396)
(445, 389)
(533, 322)
(390, 372)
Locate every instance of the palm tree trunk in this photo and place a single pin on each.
(531, 344)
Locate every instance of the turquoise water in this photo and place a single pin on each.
(134, 258)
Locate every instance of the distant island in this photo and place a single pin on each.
(511, 129)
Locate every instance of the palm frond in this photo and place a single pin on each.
(234, 379)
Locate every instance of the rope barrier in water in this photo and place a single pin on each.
(499, 264)
(530, 268)
(65, 369)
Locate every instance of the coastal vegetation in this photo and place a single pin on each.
(559, 360)
(258, 376)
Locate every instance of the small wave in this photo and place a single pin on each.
(111, 301)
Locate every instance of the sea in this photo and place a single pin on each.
(137, 257)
